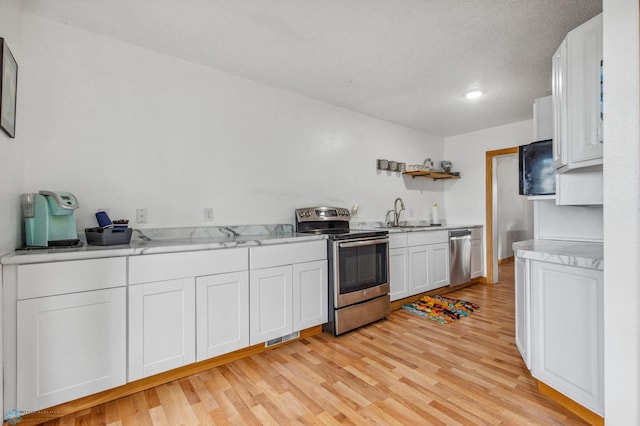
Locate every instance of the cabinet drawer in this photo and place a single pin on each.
(397, 239)
(49, 279)
(428, 237)
(287, 254)
(476, 233)
(169, 266)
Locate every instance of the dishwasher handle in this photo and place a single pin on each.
(456, 235)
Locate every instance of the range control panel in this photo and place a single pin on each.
(308, 214)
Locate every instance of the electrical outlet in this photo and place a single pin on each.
(141, 215)
(411, 212)
(208, 214)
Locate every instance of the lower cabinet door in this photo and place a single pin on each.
(310, 294)
(439, 265)
(398, 273)
(222, 314)
(161, 326)
(270, 295)
(567, 337)
(418, 269)
(70, 346)
(476, 258)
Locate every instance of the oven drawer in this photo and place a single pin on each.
(358, 315)
(287, 254)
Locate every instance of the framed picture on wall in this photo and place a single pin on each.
(8, 90)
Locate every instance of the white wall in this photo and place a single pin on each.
(123, 127)
(621, 208)
(12, 157)
(465, 197)
(515, 212)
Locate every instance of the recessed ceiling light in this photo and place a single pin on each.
(474, 94)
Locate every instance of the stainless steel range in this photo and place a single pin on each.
(358, 268)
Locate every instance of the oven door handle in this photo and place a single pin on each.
(363, 243)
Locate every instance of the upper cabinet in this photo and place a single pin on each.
(576, 86)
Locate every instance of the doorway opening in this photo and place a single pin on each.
(508, 223)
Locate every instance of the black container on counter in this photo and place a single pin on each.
(108, 236)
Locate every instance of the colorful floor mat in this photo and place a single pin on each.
(441, 309)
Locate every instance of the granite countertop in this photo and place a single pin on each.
(574, 253)
(414, 226)
(169, 240)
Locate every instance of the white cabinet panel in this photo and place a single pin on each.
(522, 309)
(70, 346)
(399, 273)
(397, 239)
(567, 331)
(310, 294)
(222, 314)
(287, 254)
(418, 269)
(559, 101)
(576, 68)
(161, 326)
(476, 258)
(271, 303)
(169, 266)
(543, 119)
(584, 55)
(427, 237)
(438, 265)
(49, 279)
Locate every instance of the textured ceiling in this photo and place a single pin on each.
(405, 61)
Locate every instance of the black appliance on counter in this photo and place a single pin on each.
(536, 172)
(358, 268)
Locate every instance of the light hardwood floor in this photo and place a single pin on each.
(403, 370)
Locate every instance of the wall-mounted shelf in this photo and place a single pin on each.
(430, 174)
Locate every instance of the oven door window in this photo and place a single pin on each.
(362, 267)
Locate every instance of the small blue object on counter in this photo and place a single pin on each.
(103, 219)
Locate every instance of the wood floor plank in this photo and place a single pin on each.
(402, 370)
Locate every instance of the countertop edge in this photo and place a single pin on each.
(137, 249)
(587, 255)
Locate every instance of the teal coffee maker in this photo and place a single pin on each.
(49, 219)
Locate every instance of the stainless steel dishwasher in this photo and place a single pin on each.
(460, 256)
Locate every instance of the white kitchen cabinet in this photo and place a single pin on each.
(567, 345)
(164, 318)
(161, 326)
(68, 326)
(222, 319)
(428, 260)
(418, 269)
(284, 284)
(576, 85)
(398, 273)
(477, 246)
(70, 346)
(439, 265)
(271, 302)
(310, 294)
(522, 309)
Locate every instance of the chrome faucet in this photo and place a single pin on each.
(396, 213)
